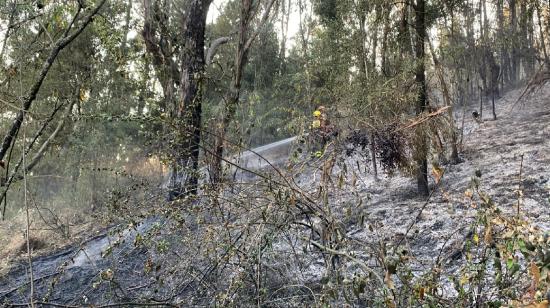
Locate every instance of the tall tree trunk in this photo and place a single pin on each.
(404, 33)
(448, 102)
(530, 54)
(374, 40)
(383, 52)
(185, 111)
(503, 54)
(513, 33)
(285, 16)
(362, 57)
(421, 104)
(541, 30)
(185, 175)
(231, 101)
(483, 47)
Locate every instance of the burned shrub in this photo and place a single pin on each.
(357, 139)
(390, 147)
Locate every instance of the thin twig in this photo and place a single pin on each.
(28, 222)
(361, 263)
(519, 184)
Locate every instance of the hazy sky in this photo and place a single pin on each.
(293, 25)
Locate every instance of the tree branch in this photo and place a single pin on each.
(38, 156)
(263, 21)
(214, 48)
(31, 95)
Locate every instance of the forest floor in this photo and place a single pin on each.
(389, 213)
(370, 212)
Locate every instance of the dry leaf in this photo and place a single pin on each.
(488, 238)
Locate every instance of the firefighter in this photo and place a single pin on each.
(322, 129)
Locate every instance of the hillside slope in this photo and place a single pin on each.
(370, 214)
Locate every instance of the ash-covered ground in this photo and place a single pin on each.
(370, 215)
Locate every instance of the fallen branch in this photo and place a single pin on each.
(424, 118)
(537, 79)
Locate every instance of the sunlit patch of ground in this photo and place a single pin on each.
(49, 232)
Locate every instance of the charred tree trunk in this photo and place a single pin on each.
(422, 103)
(374, 40)
(404, 33)
(189, 110)
(185, 111)
(363, 68)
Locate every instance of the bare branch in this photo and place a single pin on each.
(214, 48)
(263, 21)
(31, 95)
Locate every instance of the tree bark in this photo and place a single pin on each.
(383, 52)
(187, 74)
(421, 104)
(185, 177)
(541, 30)
(503, 53)
(231, 100)
(514, 75)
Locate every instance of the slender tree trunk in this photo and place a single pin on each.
(493, 103)
(541, 30)
(383, 52)
(480, 103)
(448, 102)
(374, 42)
(513, 33)
(123, 48)
(285, 15)
(483, 48)
(421, 104)
(531, 58)
(404, 33)
(503, 53)
(362, 57)
(246, 38)
(304, 32)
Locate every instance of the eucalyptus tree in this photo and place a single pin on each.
(245, 37)
(174, 35)
(422, 103)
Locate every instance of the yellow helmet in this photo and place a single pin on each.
(317, 113)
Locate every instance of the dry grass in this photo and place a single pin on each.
(49, 232)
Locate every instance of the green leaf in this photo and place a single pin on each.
(509, 263)
(522, 246)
